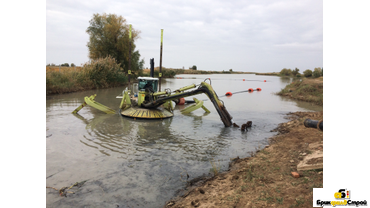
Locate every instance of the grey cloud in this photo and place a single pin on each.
(215, 35)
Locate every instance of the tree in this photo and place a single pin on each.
(194, 67)
(307, 73)
(316, 72)
(295, 71)
(109, 36)
(286, 72)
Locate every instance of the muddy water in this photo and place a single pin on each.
(143, 163)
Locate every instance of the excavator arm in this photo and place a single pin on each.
(203, 88)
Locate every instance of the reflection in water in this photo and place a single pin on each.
(137, 139)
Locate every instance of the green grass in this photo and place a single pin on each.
(306, 90)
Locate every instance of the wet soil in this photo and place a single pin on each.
(265, 179)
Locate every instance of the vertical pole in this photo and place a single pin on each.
(160, 62)
(152, 67)
(129, 59)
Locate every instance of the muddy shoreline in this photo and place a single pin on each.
(265, 179)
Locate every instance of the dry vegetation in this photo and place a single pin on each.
(100, 73)
(62, 68)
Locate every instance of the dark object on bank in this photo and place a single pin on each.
(314, 124)
(235, 125)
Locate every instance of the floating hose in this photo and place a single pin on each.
(232, 93)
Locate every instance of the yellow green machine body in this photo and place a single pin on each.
(147, 103)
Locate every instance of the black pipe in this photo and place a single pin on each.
(314, 124)
(152, 67)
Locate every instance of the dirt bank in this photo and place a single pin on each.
(265, 179)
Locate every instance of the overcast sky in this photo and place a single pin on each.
(253, 35)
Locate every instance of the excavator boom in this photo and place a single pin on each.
(203, 88)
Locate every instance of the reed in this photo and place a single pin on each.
(101, 73)
(216, 167)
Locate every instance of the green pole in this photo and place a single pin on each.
(160, 61)
(129, 58)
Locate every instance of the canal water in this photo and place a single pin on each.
(143, 163)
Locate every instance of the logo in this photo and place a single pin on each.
(341, 197)
(342, 194)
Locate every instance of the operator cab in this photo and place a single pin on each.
(149, 83)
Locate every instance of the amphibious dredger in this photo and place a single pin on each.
(146, 102)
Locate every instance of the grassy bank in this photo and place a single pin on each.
(308, 89)
(269, 74)
(102, 73)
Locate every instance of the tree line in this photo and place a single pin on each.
(317, 72)
(65, 65)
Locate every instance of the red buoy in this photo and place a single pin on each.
(243, 79)
(181, 101)
(258, 89)
(250, 90)
(265, 81)
(229, 94)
